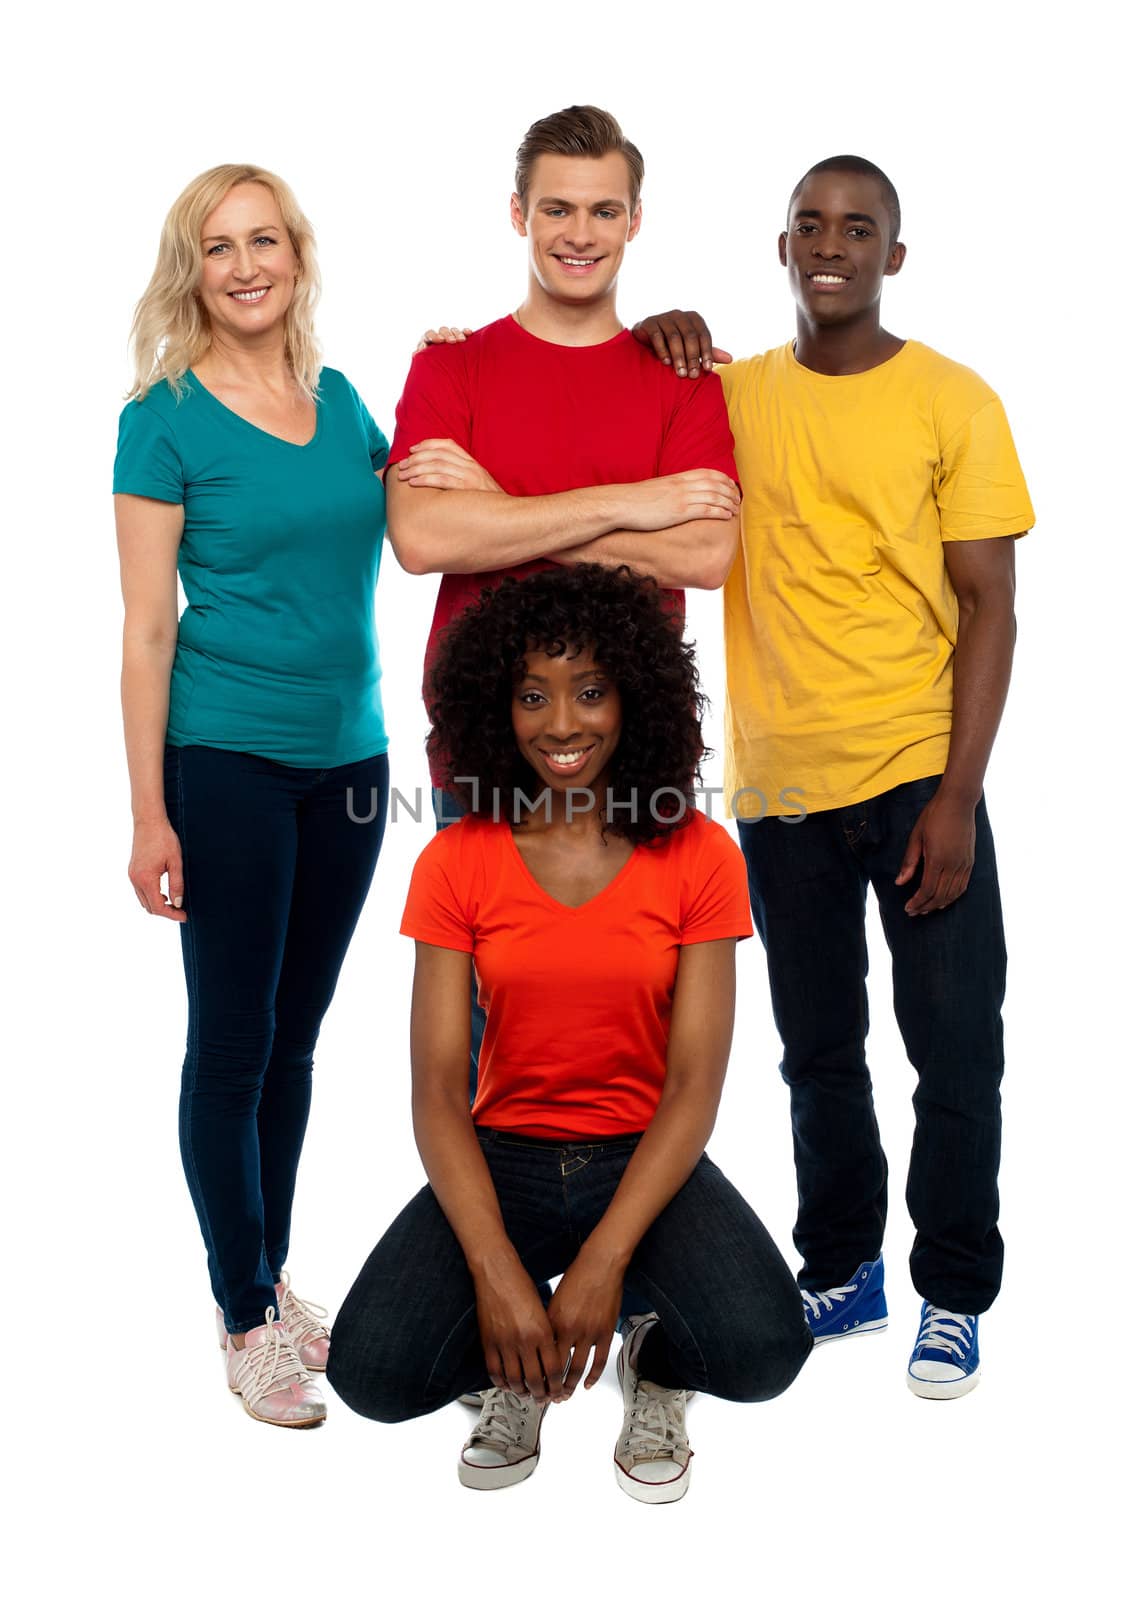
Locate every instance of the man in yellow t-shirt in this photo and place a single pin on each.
(869, 630)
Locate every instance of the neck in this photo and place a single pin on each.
(562, 322)
(556, 817)
(838, 348)
(262, 360)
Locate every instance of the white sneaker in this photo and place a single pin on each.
(270, 1379)
(505, 1443)
(652, 1461)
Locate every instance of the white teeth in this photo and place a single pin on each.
(249, 294)
(566, 758)
(574, 261)
(827, 277)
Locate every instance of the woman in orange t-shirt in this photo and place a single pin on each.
(601, 911)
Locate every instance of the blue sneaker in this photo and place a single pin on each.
(945, 1361)
(857, 1306)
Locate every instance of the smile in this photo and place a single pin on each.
(828, 280)
(250, 297)
(579, 263)
(567, 760)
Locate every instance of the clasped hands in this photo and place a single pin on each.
(540, 1352)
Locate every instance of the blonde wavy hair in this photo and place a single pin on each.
(170, 330)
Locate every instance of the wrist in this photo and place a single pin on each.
(961, 791)
(606, 1254)
(150, 817)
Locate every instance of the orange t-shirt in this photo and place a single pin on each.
(578, 999)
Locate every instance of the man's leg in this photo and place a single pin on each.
(949, 972)
(808, 890)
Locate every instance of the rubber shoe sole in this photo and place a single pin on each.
(478, 1477)
(878, 1325)
(943, 1388)
(654, 1494)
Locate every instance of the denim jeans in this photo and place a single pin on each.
(731, 1321)
(808, 882)
(276, 873)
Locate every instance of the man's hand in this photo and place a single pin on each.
(944, 838)
(680, 339)
(583, 1314)
(516, 1336)
(681, 497)
(442, 464)
(442, 335)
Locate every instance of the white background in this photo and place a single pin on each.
(1002, 126)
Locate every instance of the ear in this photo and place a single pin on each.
(895, 259)
(517, 214)
(635, 224)
(782, 246)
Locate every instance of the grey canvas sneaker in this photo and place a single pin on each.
(505, 1443)
(652, 1460)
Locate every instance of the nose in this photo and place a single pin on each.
(243, 265)
(828, 248)
(579, 233)
(564, 723)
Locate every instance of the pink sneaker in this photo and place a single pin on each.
(301, 1321)
(305, 1325)
(271, 1380)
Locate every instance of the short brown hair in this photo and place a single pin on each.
(577, 131)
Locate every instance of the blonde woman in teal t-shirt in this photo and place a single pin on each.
(255, 740)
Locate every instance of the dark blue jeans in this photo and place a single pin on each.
(731, 1321)
(809, 883)
(276, 873)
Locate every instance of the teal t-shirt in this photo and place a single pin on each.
(277, 651)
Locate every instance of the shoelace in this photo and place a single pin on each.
(654, 1427)
(503, 1420)
(302, 1319)
(266, 1368)
(826, 1299)
(945, 1330)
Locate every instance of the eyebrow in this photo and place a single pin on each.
(215, 238)
(590, 672)
(570, 205)
(849, 216)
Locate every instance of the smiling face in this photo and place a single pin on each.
(249, 264)
(578, 217)
(838, 247)
(566, 718)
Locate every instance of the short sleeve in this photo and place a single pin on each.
(717, 906)
(434, 913)
(697, 434)
(147, 459)
(435, 402)
(376, 441)
(980, 489)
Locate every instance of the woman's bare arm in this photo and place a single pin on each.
(148, 533)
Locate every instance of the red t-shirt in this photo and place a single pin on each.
(544, 418)
(578, 1000)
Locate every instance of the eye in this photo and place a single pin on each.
(532, 698)
(804, 227)
(555, 211)
(594, 692)
(606, 214)
(861, 233)
(265, 239)
(216, 248)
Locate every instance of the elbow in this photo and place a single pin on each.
(410, 552)
(721, 557)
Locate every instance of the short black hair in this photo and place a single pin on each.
(619, 617)
(865, 169)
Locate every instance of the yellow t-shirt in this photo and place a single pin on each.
(839, 616)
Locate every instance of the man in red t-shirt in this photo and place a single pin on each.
(552, 434)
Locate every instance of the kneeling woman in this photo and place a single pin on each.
(604, 941)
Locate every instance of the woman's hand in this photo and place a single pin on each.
(155, 850)
(583, 1314)
(442, 335)
(442, 464)
(520, 1351)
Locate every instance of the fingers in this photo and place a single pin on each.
(649, 333)
(681, 340)
(577, 1364)
(148, 892)
(601, 1355)
(721, 357)
(442, 335)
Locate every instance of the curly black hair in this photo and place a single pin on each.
(622, 619)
